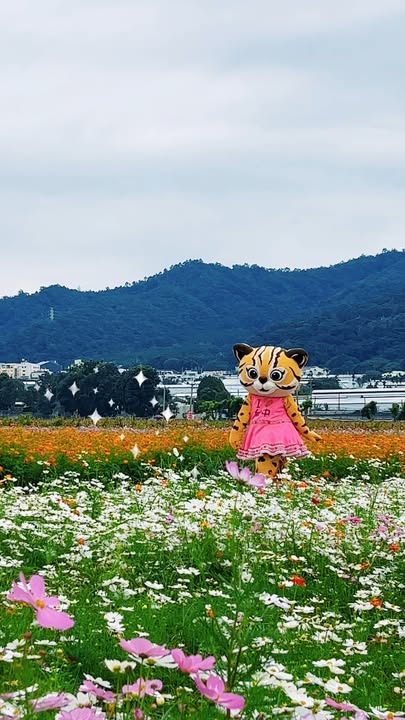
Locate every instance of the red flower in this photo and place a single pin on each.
(297, 580)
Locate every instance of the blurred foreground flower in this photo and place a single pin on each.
(46, 607)
(244, 475)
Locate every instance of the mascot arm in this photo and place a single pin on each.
(240, 424)
(297, 419)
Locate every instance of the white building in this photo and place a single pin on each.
(23, 370)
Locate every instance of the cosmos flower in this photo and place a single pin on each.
(244, 475)
(142, 687)
(214, 689)
(45, 607)
(192, 663)
(81, 713)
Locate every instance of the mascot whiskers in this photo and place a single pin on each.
(269, 427)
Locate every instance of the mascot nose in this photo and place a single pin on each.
(263, 379)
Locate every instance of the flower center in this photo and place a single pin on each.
(39, 603)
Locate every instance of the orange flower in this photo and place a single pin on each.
(394, 547)
(376, 602)
(297, 580)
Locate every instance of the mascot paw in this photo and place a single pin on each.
(314, 436)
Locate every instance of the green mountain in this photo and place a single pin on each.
(349, 317)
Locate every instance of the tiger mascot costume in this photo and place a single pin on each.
(269, 427)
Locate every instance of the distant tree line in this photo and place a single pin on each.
(85, 388)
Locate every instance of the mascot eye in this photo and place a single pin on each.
(276, 375)
(252, 373)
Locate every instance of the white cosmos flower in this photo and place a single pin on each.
(298, 695)
(383, 714)
(334, 665)
(303, 713)
(280, 602)
(313, 679)
(114, 622)
(335, 686)
(116, 666)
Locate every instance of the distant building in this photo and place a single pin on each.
(23, 370)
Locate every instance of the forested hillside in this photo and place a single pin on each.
(349, 316)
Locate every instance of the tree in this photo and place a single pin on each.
(369, 410)
(97, 389)
(11, 391)
(306, 406)
(211, 388)
(135, 396)
(326, 383)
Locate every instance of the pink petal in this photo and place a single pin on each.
(210, 694)
(141, 646)
(257, 480)
(52, 601)
(49, 618)
(37, 586)
(154, 685)
(245, 474)
(216, 684)
(232, 468)
(178, 656)
(17, 594)
(231, 701)
(208, 663)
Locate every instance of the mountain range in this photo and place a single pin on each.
(350, 317)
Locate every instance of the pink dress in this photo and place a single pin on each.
(270, 431)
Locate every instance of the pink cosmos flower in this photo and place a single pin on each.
(214, 688)
(244, 475)
(81, 713)
(143, 648)
(45, 607)
(88, 686)
(142, 687)
(342, 706)
(50, 702)
(192, 663)
(348, 707)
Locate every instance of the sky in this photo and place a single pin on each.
(138, 134)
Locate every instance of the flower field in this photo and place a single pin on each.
(142, 579)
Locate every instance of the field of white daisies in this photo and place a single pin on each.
(193, 593)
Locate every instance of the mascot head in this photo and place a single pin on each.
(270, 371)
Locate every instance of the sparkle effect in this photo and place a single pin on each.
(95, 416)
(153, 402)
(135, 451)
(74, 389)
(167, 414)
(48, 394)
(140, 378)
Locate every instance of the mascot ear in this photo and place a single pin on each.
(240, 350)
(299, 355)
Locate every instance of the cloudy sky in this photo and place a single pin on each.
(135, 134)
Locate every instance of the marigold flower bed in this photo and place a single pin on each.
(102, 443)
